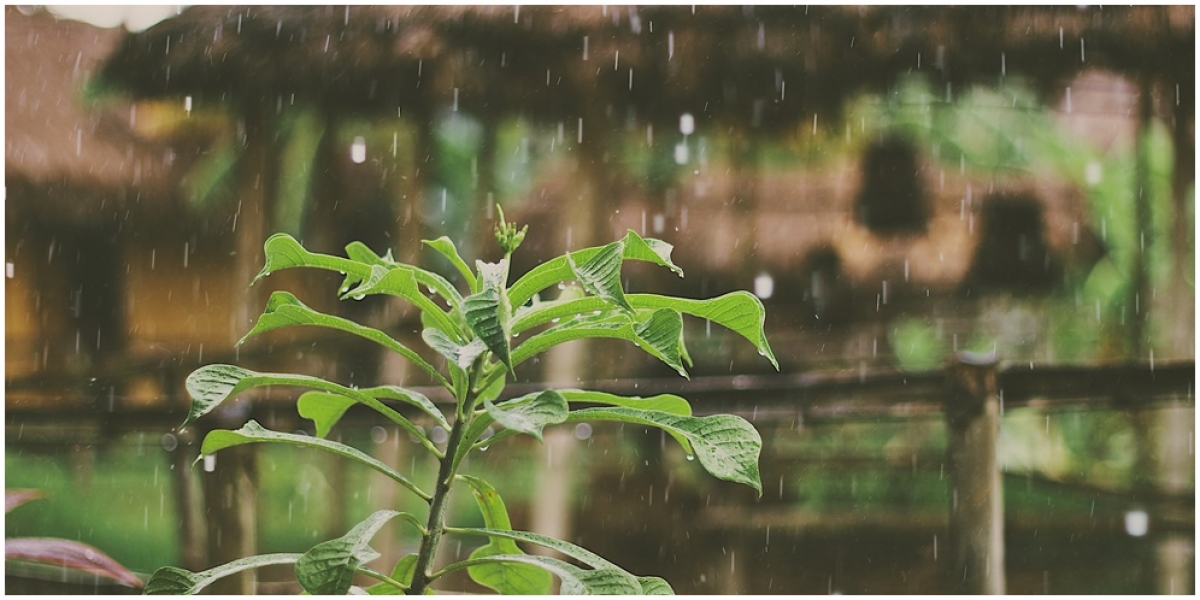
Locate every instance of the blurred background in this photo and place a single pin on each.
(896, 184)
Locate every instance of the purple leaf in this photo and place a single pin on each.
(15, 498)
(69, 554)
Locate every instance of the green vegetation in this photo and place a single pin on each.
(475, 338)
(1007, 130)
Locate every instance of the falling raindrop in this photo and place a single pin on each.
(378, 434)
(681, 153)
(210, 463)
(358, 150)
(169, 442)
(439, 435)
(764, 286)
(583, 431)
(687, 124)
(1137, 522)
(187, 104)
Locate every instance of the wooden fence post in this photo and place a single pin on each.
(977, 500)
(231, 504)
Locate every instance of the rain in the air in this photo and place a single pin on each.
(599, 299)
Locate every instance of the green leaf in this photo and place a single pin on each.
(326, 409)
(669, 403)
(328, 568)
(358, 251)
(505, 578)
(659, 336)
(402, 282)
(323, 409)
(574, 580)
(558, 270)
(410, 397)
(601, 274)
(487, 313)
(362, 253)
(446, 248)
(284, 309)
(529, 414)
(211, 385)
(650, 250)
(253, 433)
(727, 446)
(173, 581)
(657, 333)
(603, 570)
(582, 555)
(282, 251)
(655, 586)
(405, 569)
(495, 387)
(461, 356)
(571, 302)
(741, 312)
(402, 573)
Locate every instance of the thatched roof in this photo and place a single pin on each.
(67, 156)
(760, 68)
(775, 66)
(350, 57)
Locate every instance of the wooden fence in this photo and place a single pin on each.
(970, 395)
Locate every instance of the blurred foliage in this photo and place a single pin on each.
(993, 131)
(129, 512)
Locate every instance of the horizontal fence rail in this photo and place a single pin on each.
(812, 397)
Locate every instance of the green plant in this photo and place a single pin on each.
(475, 336)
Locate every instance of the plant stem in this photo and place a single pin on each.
(437, 507)
(437, 512)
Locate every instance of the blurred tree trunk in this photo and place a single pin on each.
(1182, 313)
(230, 491)
(321, 227)
(745, 156)
(231, 500)
(584, 224)
(477, 239)
(188, 503)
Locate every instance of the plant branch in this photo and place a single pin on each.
(432, 535)
(373, 574)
